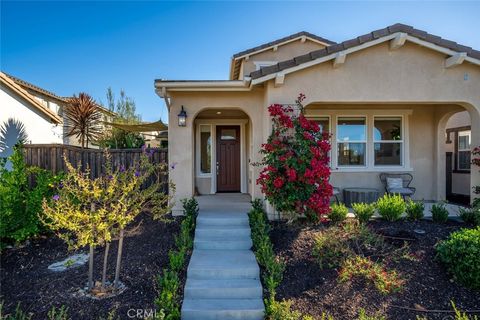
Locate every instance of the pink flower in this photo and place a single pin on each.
(278, 182)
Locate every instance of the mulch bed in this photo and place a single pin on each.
(427, 285)
(25, 278)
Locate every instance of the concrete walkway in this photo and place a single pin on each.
(223, 277)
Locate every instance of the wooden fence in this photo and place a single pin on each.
(50, 157)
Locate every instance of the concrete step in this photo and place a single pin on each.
(223, 264)
(223, 289)
(207, 230)
(222, 219)
(214, 242)
(225, 309)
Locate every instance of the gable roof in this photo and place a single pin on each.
(365, 39)
(30, 86)
(283, 40)
(237, 57)
(15, 87)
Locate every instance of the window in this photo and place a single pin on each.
(463, 154)
(323, 123)
(205, 149)
(351, 141)
(388, 141)
(261, 64)
(228, 134)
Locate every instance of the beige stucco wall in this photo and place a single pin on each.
(379, 77)
(284, 52)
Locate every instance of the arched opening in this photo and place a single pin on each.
(222, 148)
(458, 145)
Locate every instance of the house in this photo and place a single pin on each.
(385, 97)
(40, 111)
(458, 158)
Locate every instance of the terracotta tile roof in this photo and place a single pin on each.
(284, 39)
(27, 85)
(423, 35)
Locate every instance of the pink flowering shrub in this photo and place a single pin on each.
(296, 172)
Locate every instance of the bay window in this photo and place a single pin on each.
(351, 141)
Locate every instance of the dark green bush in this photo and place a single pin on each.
(461, 255)
(470, 216)
(414, 210)
(363, 211)
(439, 213)
(391, 207)
(20, 204)
(338, 213)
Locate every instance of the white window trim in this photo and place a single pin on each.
(464, 133)
(351, 141)
(198, 159)
(402, 141)
(334, 114)
(213, 166)
(261, 64)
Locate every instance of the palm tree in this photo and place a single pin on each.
(83, 119)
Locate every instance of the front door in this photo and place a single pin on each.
(228, 158)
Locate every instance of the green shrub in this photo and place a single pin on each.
(330, 249)
(20, 204)
(338, 213)
(363, 211)
(362, 315)
(439, 213)
(190, 206)
(391, 207)
(461, 255)
(470, 216)
(168, 299)
(176, 259)
(414, 210)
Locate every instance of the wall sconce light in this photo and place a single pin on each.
(182, 118)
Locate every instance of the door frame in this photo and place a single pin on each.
(213, 165)
(233, 157)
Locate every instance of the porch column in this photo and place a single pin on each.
(180, 157)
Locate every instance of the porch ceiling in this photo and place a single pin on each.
(222, 114)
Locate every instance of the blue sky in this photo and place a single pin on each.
(67, 47)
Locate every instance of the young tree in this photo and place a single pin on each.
(83, 119)
(92, 212)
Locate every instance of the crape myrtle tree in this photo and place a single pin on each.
(94, 211)
(295, 175)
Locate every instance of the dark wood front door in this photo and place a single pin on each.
(228, 158)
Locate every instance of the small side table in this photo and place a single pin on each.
(354, 195)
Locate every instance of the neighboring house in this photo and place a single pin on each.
(39, 116)
(458, 158)
(384, 96)
(40, 110)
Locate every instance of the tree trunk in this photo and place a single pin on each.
(90, 269)
(119, 259)
(105, 262)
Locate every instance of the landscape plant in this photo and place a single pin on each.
(338, 213)
(20, 200)
(470, 216)
(93, 211)
(83, 119)
(363, 211)
(168, 300)
(460, 253)
(414, 210)
(439, 213)
(296, 172)
(391, 207)
(386, 281)
(476, 189)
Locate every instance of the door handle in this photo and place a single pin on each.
(218, 168)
